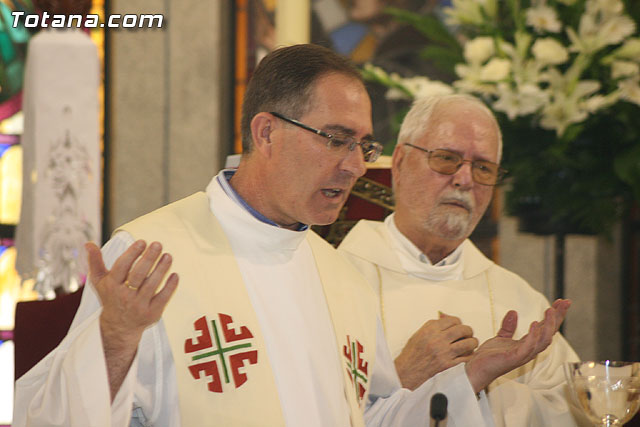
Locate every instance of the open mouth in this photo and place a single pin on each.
(332, 192)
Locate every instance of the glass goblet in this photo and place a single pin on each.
(608, 392)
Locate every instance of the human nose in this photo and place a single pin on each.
(463, 178)
(353, 162)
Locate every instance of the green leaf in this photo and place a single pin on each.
(442, 57)
(370, 76)
(627, 168)
(429, 25)
(571, 133)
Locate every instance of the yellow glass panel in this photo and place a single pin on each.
(11, 185)
(9, 288)
(97, 35)
(13, 125)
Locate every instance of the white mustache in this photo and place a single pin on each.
(461, 197)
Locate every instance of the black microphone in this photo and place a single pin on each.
(438, 408)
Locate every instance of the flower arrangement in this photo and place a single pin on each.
(563, 77)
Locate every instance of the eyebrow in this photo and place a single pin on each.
(459, 153)
(343, 130)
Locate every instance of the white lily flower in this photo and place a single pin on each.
(467, 72)
(580, 43)
(475, 87)
(526, 73)
(586, 88)
(543, 19)
(376, 71)
(601, 25)
(630, 90)
(624, 69)
(433, 88)
(464, 12)
(561, 113)
(496, 69)
(523, 41)
(470, 81)
(526, 99)
(567, 101)
(615, 30)
(420, 85)
(607, 7)
(478, 50)
(549, 51)
(395, 94)
(594, 103)
(588, 24)
(539, 75)
(508, 101)
(506, 48)
(598, 102)
(417, 86)
(630, 49)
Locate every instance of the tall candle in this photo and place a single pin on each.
(293, 22)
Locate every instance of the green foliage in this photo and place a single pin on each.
(573, 169)
(429, 25)
(442, 57)
(444, 50)
(581, 185)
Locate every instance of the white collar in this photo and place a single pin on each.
(243, 229)
(416, 263)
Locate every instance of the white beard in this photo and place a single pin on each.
(449, 225)
(451, 222)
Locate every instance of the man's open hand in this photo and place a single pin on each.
(502, 354)
(129, 301)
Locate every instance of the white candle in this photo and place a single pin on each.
(293, 22)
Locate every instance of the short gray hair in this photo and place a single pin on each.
(417, 120)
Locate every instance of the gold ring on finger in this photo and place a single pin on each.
(128, 285)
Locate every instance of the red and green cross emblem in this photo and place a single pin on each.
(231, 350)
(357, 367)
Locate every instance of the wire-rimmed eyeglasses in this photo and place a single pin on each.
(448, 162)
(370, 149)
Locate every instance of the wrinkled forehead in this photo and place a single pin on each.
(458, 124)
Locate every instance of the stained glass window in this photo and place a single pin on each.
(13, 48)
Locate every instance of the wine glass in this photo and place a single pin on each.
(608, 392)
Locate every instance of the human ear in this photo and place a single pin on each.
(396, 162)
(262, 126)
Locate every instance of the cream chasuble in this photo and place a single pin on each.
(223, 372)
(478, 292)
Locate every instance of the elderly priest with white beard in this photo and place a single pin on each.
(439, 296)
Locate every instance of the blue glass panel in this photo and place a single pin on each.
(346, 38)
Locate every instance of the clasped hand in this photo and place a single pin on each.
(437, 346)
(443, 343)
